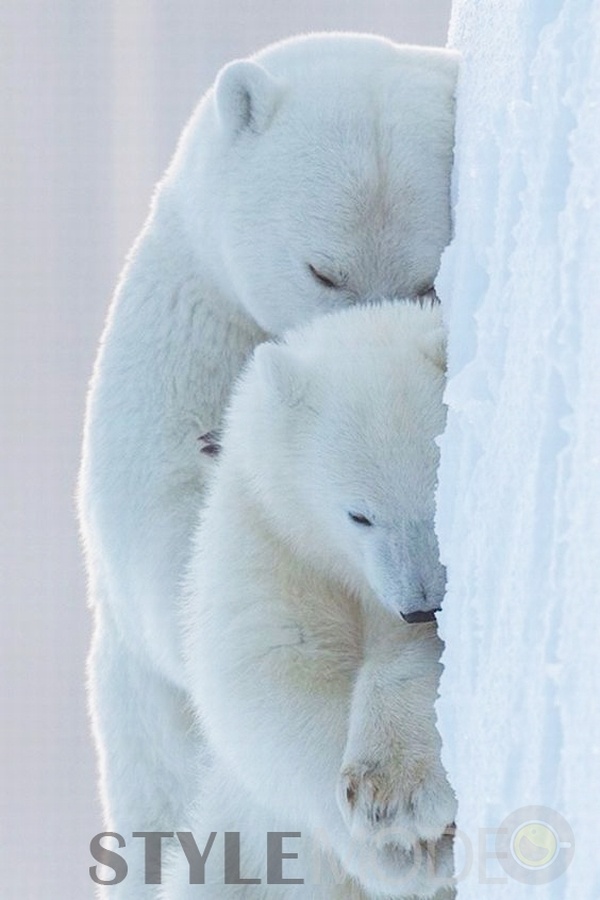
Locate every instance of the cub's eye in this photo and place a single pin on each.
(359, 519)
(322, 279)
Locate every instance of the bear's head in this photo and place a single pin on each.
(318, 175)
(336, 428)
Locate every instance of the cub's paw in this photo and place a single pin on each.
(409, 801)
(369, 799)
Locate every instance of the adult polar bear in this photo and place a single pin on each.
(317, 532)
(312, 176)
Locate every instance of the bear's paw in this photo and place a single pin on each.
(408, 801)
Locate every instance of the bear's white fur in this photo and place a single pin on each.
(316, 697)
(312, 176)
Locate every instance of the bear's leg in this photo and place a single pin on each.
(392, 787)
(147, 746)
(282, 735)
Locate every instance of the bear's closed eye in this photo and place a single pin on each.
(323, 279)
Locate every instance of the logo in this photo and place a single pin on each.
(534, 845)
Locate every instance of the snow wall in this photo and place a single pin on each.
(519, 488)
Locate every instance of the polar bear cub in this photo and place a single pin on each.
(315, 546)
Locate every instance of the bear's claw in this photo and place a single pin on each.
(415, 804)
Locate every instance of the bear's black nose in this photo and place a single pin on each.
(420, 615)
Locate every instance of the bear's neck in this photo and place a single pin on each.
(173, 344)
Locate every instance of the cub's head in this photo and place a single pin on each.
(336, 429)
(327, 179)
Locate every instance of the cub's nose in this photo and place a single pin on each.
(419, 615)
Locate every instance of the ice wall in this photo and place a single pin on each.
(519, 491)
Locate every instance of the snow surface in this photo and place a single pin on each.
(519, 490)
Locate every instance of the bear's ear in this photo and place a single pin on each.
(433, 347)
(281, 373)
(245, 96)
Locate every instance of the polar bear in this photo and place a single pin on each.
(312, 176)
(315, 550)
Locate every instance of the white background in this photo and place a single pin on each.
(94, 94)
(518, 503)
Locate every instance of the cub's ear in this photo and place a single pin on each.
(246, 96)
(281, 373)
(433, 347)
